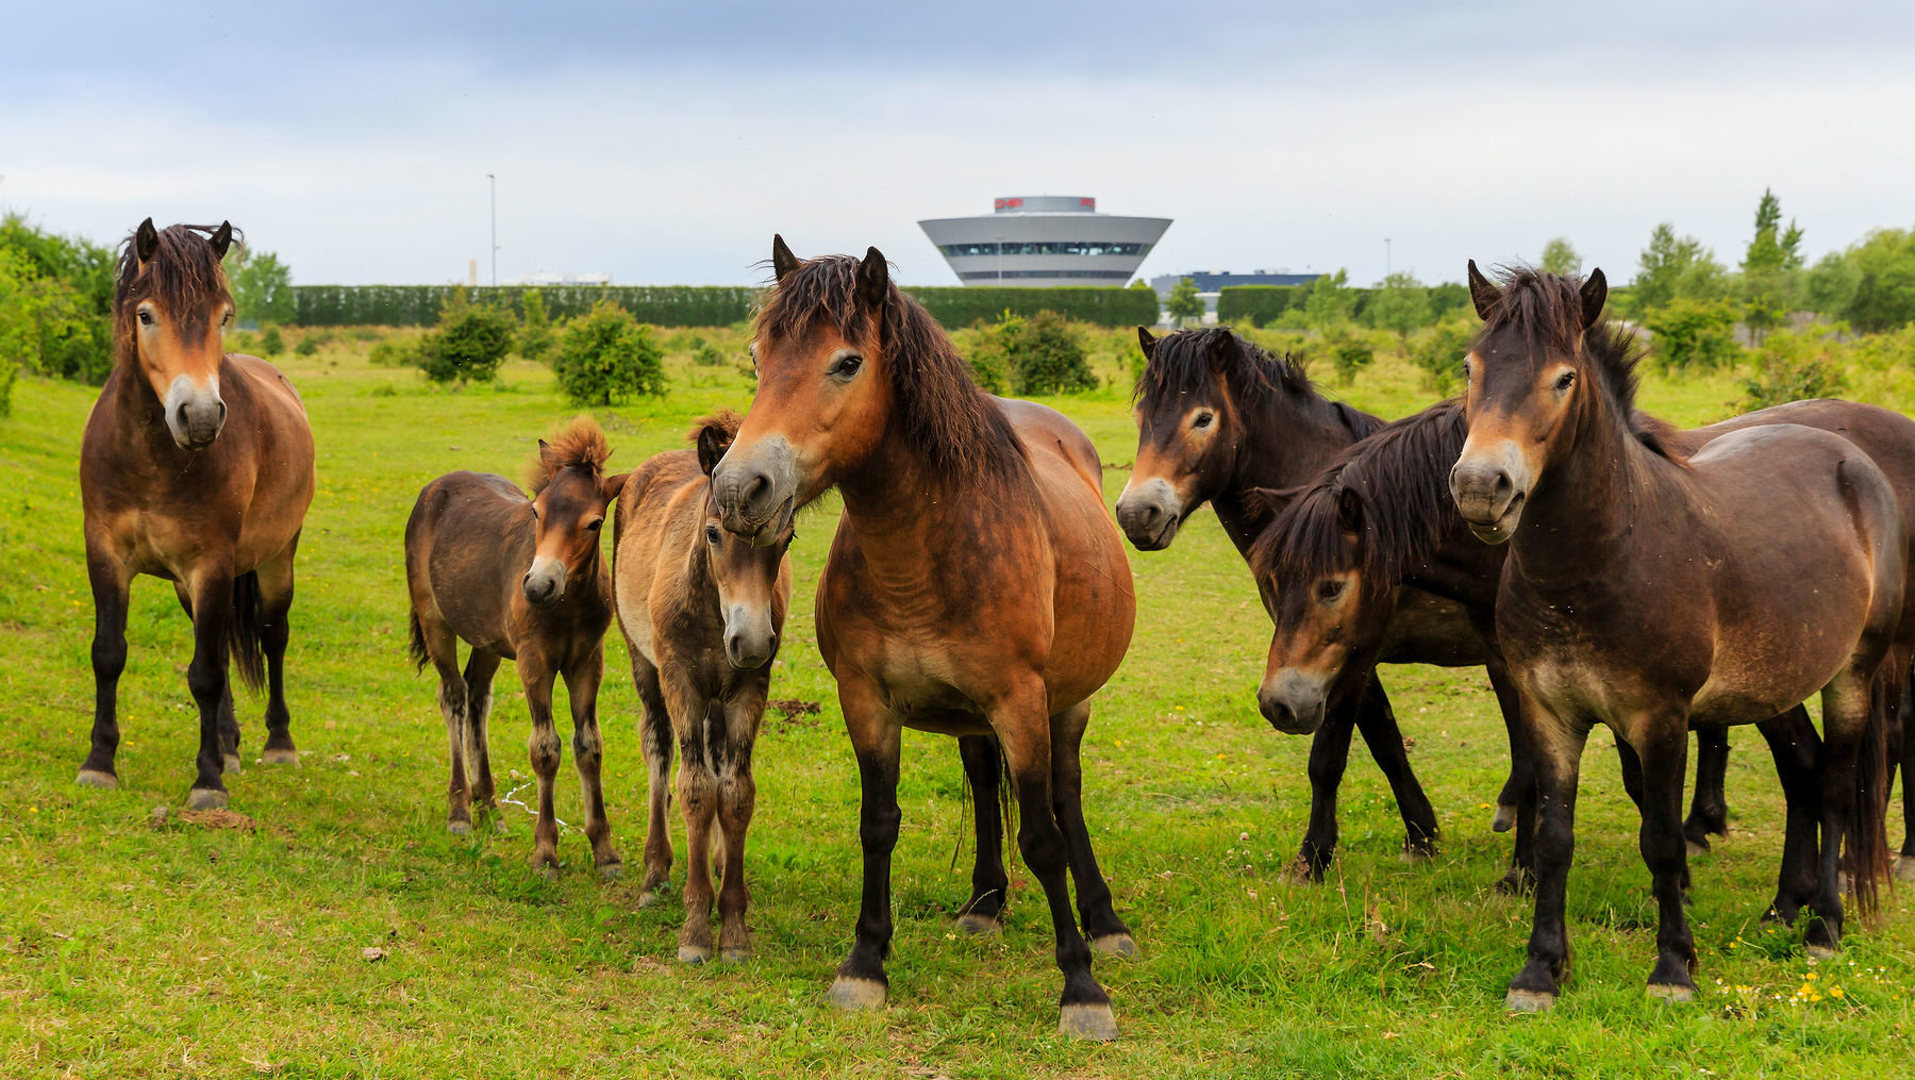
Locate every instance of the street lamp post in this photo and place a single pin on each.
(494, 181)
(1000, 259)
(1386, 256)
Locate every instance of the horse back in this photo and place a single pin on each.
(468, 542)
(655, 513)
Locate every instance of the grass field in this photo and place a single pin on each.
(129, 949)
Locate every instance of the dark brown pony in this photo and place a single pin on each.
(1648, 590)
(1381, 517)
(1218, 420)
(976, 586)
(702, 611)
(518, 579)
(197, 467)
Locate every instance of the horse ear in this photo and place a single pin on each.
(1349, 512)
(222, 238)
(1271, 501)
(547, 458)
(1482, 292)
(1223, 348)
(612, 486)
(1148, 343)
(874, 280)
(146, 241)
(1595, 293)
(782, 260)
(713, 441)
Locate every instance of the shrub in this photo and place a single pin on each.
(262, 286)
(1044, 354)
(606, 357)
(1185, 303)
(708, 355)
(1694, 334)
(984, 351)
(1790, 366)
(469, 345)
(271, 341)
(1349, 354)
(536, 336)
(395, 352)
(1259, 305)
(308, 346)
(1439, 353)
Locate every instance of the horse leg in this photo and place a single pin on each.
(1845, 706)
(1796, 747)
(1520, 788)
(479, 669)
(1709, 807)
(581, 693)
(1555, 751)
(875, 739)
(1023, 725)
(111, 589)
(275, 603)
(1329, 754)
(737, 798)
(1107, 932)
(1632, 784)
(990, 884)
(442, 647)
(206, 678)
(1901, 746)
(1662, 743)
(228, 722)
(544, 749)
(655, 739)
(1377, 722)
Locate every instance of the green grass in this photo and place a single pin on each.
(131, 950)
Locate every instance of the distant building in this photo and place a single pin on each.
(1210, 284)
(546, 278)
(1045, 241)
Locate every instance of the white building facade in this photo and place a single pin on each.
(1045, 241)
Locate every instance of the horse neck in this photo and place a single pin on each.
(1286, 442)
(906, 513)
(1575, 528)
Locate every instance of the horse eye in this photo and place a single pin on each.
(847, 366)
(1329, 591)
(711, 534)
(1568, 379)
(594, 526)
(146, 318)
(1203, 420)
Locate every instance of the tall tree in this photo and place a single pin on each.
(1773, 248)
(1676, 267)
(1560, 258)
(1401, 304)
(262, 287)
(1185, 303)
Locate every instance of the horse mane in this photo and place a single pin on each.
(726, 421)
(1182, 363)
(579, 445)
(1398, 475)
(1547, 309)
(183, 275)
(940, 411)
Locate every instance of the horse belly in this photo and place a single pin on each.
(1426, 629)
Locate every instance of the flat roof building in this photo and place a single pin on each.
(1211, 283)
(1044, 241)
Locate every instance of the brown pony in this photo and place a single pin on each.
(1647, 591)
(518, 579)
(976, 586)
(165, 494)
(702, 611)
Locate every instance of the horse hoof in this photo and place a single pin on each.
(852, 994)
(1415, 856)
(694, 954)
(1529, 1000)
(1698, 848)
(459, 828)
(610, 871)
(734, 956)
(1514, 883)
(546, 868)
(233, 763)
(1119, 945)
(1505, 819)
(647, 898)
(206, 799)
(1092, 1023)
(280, 757)
(979, 925)
(1904, 867)
(1672, 993)
(94, 778)
(1821, 952)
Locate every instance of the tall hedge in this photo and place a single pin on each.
(418, 305)
(1260, 304)
(961, 305)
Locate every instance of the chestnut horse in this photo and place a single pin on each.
(518, 579)
(1381, 517)
(1647, 591)
(976, 586)
(197, 467)
(702, 611)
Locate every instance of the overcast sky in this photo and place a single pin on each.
(666, 143)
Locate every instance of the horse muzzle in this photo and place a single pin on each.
(1293, 702)
(1149, 514)
(1490, 487)
(750, 641)
(544, 583)
(757, 494)
(194, 413)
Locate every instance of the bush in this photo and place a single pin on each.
(64, 287)
(605, 357)
(708, 355)
(1791, 366)
(1044, 354)
(536, 336)
(1350, 354)
(1439, 353)
(984, 351)
(469, 345)
(262, 286)
(1259, 305)
(1694, 334)
(271, 341)
(395, 352)
(308, 346)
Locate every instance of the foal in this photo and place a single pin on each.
(702, 612)
(518, 579)
(197, 467)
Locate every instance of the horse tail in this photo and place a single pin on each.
(244, 631)
(1006, 808)
(416, 642)
(1867, 840)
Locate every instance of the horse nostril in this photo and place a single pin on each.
(756, 490)
(1504, 485)
(222, 412)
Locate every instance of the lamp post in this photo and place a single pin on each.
(494, 182)
(1386, 256)
(1000, 259)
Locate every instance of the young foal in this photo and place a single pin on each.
(518, 580)
(976, 586)
(1648, 592)
(196, 466)
(702, 611)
